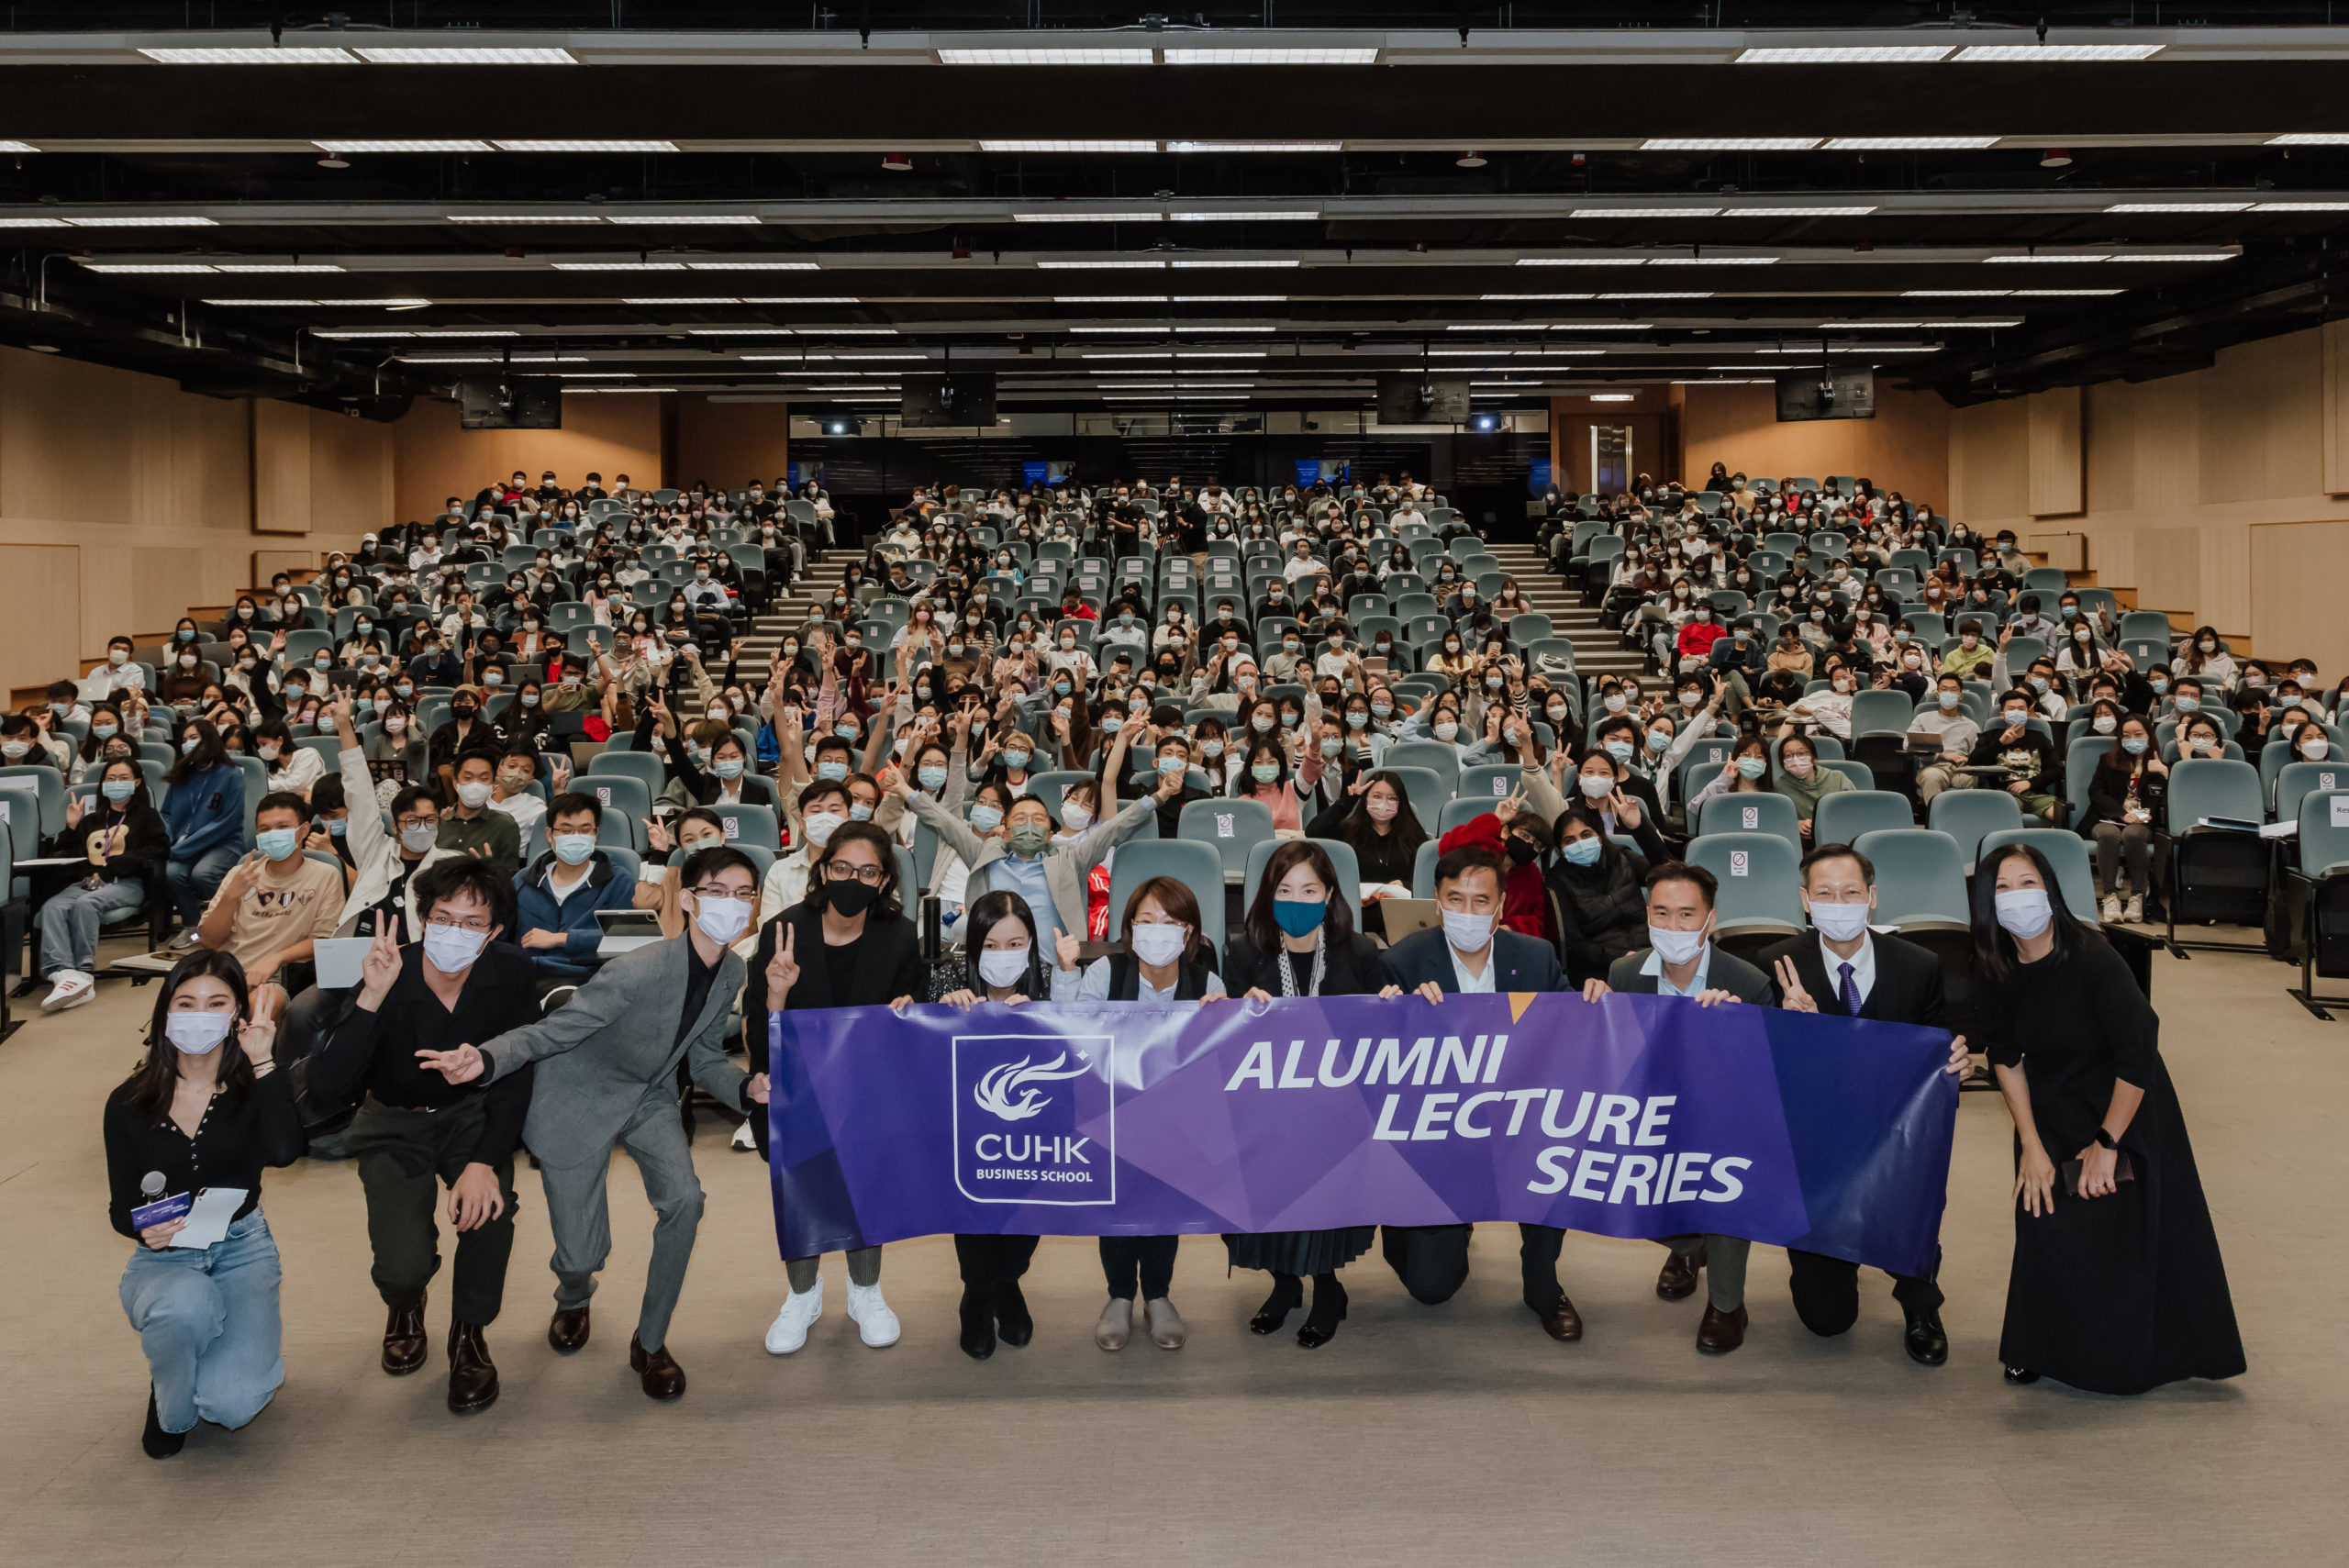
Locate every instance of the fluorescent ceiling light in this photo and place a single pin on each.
(1084, 216)
(1256, 146)
(2178, 207)
(1582, 261)
(1706, 294)
(1109, 299)
(277, 267)
(1905, 325)
(1071, 266)
(754, 265)
(1307, 216)
(1612, 397)
(467, 332)
(1629, 212)
(32, 223)
(2300, 206)
(1713, 262)
(341, 332)
(2071, 256)
(456, 146)
(1495, 327)
(146, 266)
(1954, 294)
(695, 218)
(439, 55)
(1223, 353)
(1049, 146)
(569, 390)
(688, 300)
(1043, 57)
(1324, 56)
(1135, 354)
(388, 304)
(1859, 54)
(1527, 297)
(17, 147)
(1232, 299)
(740, 331)
(1986, 321)
(2311, 139)
(607, 375)
(1182, 327)
(1729, 143)
(846, 331)
(1796, 211)
(523, 217)
(619, 266)
(249, 56)
(2004, 54)
(2063, 293)
(588, 146)
(2178, 256)
(267, 303)
(181, 222)
(1290, 261)
(1909, 143)
(800, 299)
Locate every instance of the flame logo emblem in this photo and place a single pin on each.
(997, 1085)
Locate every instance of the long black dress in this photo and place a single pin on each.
(2119, 1293)
(1355, 970)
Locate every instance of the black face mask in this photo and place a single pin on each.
(1521, 852)
(461, 710)
(850, 898)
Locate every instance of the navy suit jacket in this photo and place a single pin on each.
(1525, 964)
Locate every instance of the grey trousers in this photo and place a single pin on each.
(1935, 777)
(580, 1215)
(2135, 842)
(1725, 1259)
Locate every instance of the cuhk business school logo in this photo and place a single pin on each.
(1035, 1119)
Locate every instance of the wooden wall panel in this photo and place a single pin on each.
(44, 612)
(2053, 419)
(2333, 340)
(2109, 460)
(2262, 418)
(1904, 448)
(1989, 464)
(729, 444)
(2297, 571)
(280, 437)
(351, 475)
(608, 433)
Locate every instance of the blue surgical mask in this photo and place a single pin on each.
(1016, 761)
(860, 813)
(276, 843)
(985, 818)
(2189, 704)
(103, 731)
(119, 790)
(572, 849)
(932, 777)
(2133, 744)
(1584, 851)
(831, 772)
(732, 768)
(1752, 767)
(845, 730)
(1619, 749)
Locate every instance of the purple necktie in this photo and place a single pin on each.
(1851, 994)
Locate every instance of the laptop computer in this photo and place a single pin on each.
(625, 930)
(1408, 916)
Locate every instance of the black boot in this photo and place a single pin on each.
(1329, 1311)
(159, 1444)
(1013, 1324)
(978, 1325)
(1288, 1295)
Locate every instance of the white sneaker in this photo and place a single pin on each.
(800, 1310)
(188, 939)
(745, 1138)
(876, 1324)
(2111, 909)
(2135, 910)
(72, 988)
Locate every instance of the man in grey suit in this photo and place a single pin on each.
(1471, 953)
(606, 1071)
(1680, 959)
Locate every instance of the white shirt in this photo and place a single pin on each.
(1095, 985)
(525, 808)
(1475, 985)
(1863, 967)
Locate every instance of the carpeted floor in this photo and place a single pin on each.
(1421, 1436)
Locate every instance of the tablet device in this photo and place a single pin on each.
(339, 960)
(1408, 916)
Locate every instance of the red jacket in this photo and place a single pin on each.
(1697, 639)
(1525, 901)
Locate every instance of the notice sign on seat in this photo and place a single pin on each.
(1223, 829)
(1738, 863)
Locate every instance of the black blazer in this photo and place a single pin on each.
(1907, 988)
(1526, 963)
(1358, 969)
(1726, 973)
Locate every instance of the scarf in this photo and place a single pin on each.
(1320, 967)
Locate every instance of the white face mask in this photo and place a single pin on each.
(196, 1034)
(1005, 967)
(1158, 945)
(1597, 786)
(820, 826)
(1467, 933)
(1075, 818)
(473, 795)
(722, 920)
(2024, 912)
(1839, 922)
(1676, 947)
(450, 948)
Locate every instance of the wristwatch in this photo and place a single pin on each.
(2104, 1140)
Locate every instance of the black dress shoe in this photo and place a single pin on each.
(567, 1330)
(404, 1340)
(1329, 1310)
(1013, 1324)
(979, 1326)
(159, 1444)
(473, 1377)
(1720, 1332)
(1677, 1280)
(1288, 1295)
(1561, 1322)
(657, 1370)
(1926, 1343)
(2019, 1374)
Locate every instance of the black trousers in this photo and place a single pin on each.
(1827, 1292)
(990, 1262)
(1430, 1260)
(406, 1157)
(1148, 1261)
(1537, 1254)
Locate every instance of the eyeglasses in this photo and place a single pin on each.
(840, 871)
(723, 890)
(477, 925)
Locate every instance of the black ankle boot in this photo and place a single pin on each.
(1329, 1311)
(978, 1325)
(159, 1444)
(1288, 1295)
(1013, 1324)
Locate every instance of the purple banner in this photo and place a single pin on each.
(1632, 1116)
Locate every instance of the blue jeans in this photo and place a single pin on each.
(69, 922)
(195, 882)
(208, 1323)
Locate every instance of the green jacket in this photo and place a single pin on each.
(1805, 793)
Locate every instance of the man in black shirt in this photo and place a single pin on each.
(416, 1131)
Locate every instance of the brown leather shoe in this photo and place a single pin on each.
(661, 1377)
(1677, 1280)
(1561, 1322)
(404, 1340)
(472, 1378)
(1720, 1332)
(568, 1328)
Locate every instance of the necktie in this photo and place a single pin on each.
(1850, 993)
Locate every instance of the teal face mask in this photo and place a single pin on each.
(2135, 745)
(1752, 767)
(1583, 851)
(1030, 838)
(732, 768)
(932, 777)
(1266, 772)
(985, 818)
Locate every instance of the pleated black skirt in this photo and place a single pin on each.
(1300, 1251)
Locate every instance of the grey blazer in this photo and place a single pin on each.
(609, 1049)
(1065, 866)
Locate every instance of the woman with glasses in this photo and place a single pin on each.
(846, 944)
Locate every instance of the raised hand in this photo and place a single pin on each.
(1797, 1000)
(1506, 811)
(73, 812)
(782, 970)
(1067, 949)
(381, 967)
